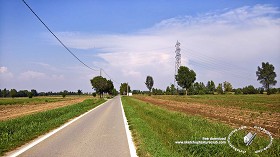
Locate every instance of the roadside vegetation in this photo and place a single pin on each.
(16, 132)
(155, 131)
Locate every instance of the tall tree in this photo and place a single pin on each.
(220, 88)
(172, 89)
(4, 92)
(110, 87)
(99, 84)
(227, 86)
(13, 93)
(123, 89)
(266, 75)
(167, 91)
(185, 77)
(34, 92)
(149, 82)
(210, 87)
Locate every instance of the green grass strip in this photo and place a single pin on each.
(16, 132)
(155, 131)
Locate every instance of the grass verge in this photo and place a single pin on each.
(16, 132)
(155, 131)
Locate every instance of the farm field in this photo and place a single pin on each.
(15, 107)
(214, 107)
(156, 130)
(254, 102)
(16, 132)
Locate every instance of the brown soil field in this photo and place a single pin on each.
(235, 117)
(13, 111)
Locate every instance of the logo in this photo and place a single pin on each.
(249, 138)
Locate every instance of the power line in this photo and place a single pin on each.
(109, 76)
(65, 45)
(58, 38)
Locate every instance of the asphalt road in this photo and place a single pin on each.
(99, 133)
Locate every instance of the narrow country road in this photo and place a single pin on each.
(98, 133)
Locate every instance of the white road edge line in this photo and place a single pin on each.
(128, 134)
(40, 139)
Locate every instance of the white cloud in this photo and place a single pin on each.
(5, 74)
(231, 43)
(3, 69)
(32, 75)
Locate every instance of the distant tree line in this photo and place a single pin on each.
(33, 93)
(186, 80)
(198, 88)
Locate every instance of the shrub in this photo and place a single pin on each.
(272, 91)
(238, 91)
(201, 92)
(30, 95)
(261, 90)
(250, 90)
(94, 94)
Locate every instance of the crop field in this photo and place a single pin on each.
(254, 102)
(214, 107)
(33, 101)
(16, 107)
(158, 131)
(16, 132)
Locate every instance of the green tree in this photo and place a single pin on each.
(64, 93)
(13, 93)
(94, 94)
(99, 84)
(250, 90)
(109, 87)
(227, 86)
(114, 92)
(123, 89)
(220, 89)
(266, 75)
(30, 94)
(34, 92)
(149, 83)
(210, 87)
(172, 89)
(238, 91)
(4, 92)
(80, 92)
(185, 77)
(167, 91)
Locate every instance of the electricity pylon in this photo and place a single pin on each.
(177, 61)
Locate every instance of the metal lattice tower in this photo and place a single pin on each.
(177, 60)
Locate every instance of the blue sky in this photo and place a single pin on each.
(220, 40)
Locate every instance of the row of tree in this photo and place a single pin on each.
(186, 78)
(25, 93)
